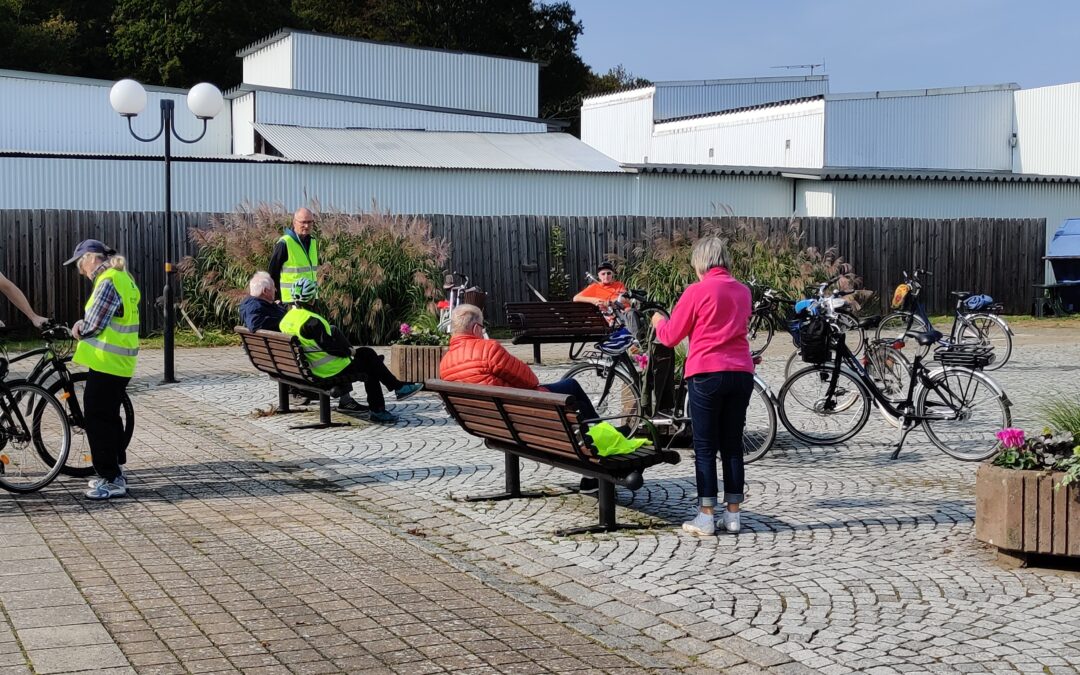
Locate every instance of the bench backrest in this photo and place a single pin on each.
(275, 354)
(556, 318)
(534, 420)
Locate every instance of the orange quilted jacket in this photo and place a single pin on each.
(476, 360)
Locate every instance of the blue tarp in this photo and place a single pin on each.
(1066, 241)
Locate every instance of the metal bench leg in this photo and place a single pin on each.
(536, 353)
(512, 482)
(324, 416)
(283, 397)
(607, 523)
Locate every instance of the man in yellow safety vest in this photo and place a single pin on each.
(295, 256)
(329, 354)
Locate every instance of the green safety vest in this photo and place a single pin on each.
(300, 264)
(115, 349)
(322, 364)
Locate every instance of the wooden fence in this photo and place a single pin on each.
(1000, 257)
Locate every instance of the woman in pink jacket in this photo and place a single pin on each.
(714, 313)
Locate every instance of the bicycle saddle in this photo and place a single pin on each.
(925, 339)
(869, 322)
(961, 295)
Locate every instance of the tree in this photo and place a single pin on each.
(35, 36)
(182, 42)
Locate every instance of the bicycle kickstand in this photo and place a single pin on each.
(905, 429)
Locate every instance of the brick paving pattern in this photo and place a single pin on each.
(246, 546)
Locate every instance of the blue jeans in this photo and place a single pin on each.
(718, 404)
(570, 387)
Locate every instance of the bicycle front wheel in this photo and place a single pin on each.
(23, 436)
(819, 413)
(855, 335)
(759, 432)
(79, 461)
(611, 391)
(987, 330)
(759, 333)
(965, 411)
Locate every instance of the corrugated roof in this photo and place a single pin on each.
(854, 173)
(437, 149)
(772, 104)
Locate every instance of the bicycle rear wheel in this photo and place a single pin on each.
(621, 397)
(79, 462)
(895, 327)
(818, 413)
(24, 435)
(987, 330)
(968, 411)
(759, 333)
(759, 432)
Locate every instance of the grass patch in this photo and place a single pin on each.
(185, 338)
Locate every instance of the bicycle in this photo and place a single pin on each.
(981, 327)
(458, 294)
(960, 409)
(769, 317)
(614, 384)
(33, 444)
(51, 373)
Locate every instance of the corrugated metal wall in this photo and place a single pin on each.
(788, 136)
(243, 116)
(116, 185)
(1048, 132)
(271, 66)
(74, 117)
(620, 127)
(306, 111)
(678, 99)
(409, 75)
(968, 131)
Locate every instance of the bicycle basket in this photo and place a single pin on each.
(816, 339)
(975, 357)
(474, 296)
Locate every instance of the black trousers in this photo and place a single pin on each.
(104, 427)
(368, 365)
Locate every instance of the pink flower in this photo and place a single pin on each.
(405, 329)
(1011, 437)
(642, 360)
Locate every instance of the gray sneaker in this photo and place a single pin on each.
(98, 480)
(732, 521)
(702, 526)
(107, 490)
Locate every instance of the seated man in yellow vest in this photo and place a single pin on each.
(330, 354)
(295, 255)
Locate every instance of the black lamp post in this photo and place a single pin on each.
(205, 101)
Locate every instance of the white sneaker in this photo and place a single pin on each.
(107, 490)
(98, 480)
(702, 526)
(731, 521)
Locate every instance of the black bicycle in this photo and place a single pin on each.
(52, 374)
(34, 435)
(960, 408)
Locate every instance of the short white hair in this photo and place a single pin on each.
(260, 283)
(464, 317)
(710, 252)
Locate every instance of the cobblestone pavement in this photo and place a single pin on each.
(847, 561)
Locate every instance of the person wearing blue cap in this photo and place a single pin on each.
(108, 336)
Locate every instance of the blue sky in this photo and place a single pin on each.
(867, 45)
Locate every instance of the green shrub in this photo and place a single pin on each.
(375, 271)
(660, 265)
(1063, 414)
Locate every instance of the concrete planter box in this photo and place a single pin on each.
(1022, 514)
(416, 363)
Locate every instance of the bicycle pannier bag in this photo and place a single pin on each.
(814, 335)
(977, 302)
(899, 295)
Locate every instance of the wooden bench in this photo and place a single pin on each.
(545, 428)
(538, 323)
(279, 356)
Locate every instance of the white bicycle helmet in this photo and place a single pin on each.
(305, 290)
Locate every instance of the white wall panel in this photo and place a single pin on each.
(271, 66)
(75, 117)
(787, 136)
(1048, 130)
(678, 99)
(963, 131)
(410, 75)
(243, 116)
(136, 185)
(309, 111)
(620, 127)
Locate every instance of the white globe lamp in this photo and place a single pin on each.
(128, 98)
(205, 101)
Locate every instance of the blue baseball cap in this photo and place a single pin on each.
(90, 246)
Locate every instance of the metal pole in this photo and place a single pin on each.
(167, 127)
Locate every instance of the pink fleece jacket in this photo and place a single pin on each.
(714, 312)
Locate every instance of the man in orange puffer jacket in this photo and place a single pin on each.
(474, 359)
